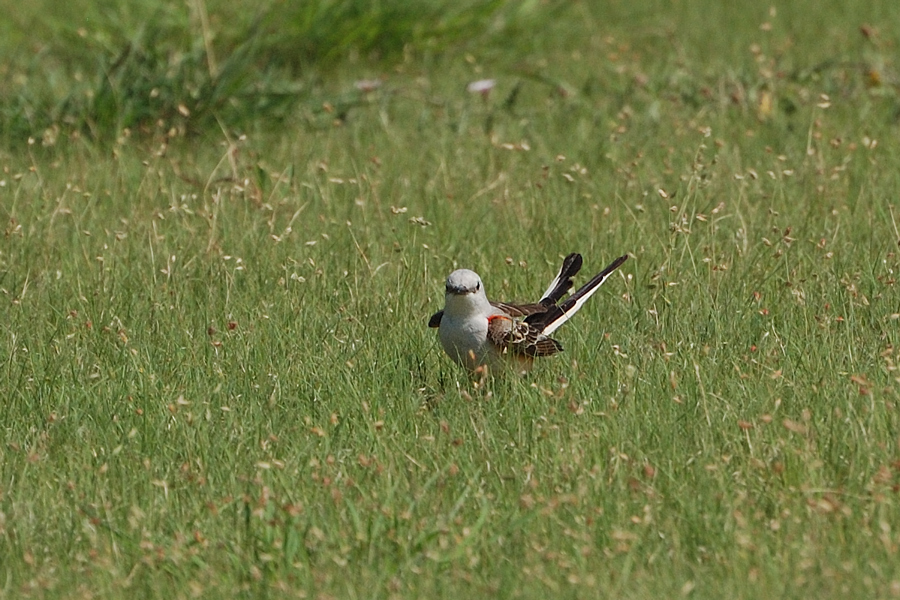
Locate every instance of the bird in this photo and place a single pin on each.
(478, 333)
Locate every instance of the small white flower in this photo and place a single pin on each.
(482, 86)
(368, 85)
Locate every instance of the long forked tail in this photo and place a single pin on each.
(563, 281)
(562, 312)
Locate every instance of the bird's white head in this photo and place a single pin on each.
(462, 282)
(465, 292)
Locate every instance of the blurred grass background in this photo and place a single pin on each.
(225, 229)
(103, 67)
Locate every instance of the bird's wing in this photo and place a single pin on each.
(512, 336)
(519, 310)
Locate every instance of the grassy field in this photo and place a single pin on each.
(215, 279)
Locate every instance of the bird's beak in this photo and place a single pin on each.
(459, 290)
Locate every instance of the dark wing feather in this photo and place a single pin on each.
(519, 310)
(435, 320)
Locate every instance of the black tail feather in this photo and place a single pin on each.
(557, 311)
(563, 282)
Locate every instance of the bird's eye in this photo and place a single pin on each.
(477, 286)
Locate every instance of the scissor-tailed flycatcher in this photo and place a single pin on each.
(475, 331)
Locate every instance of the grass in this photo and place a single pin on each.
(219, 382)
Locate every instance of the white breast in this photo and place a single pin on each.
(464, 338)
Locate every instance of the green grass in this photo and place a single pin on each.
(217, 375)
